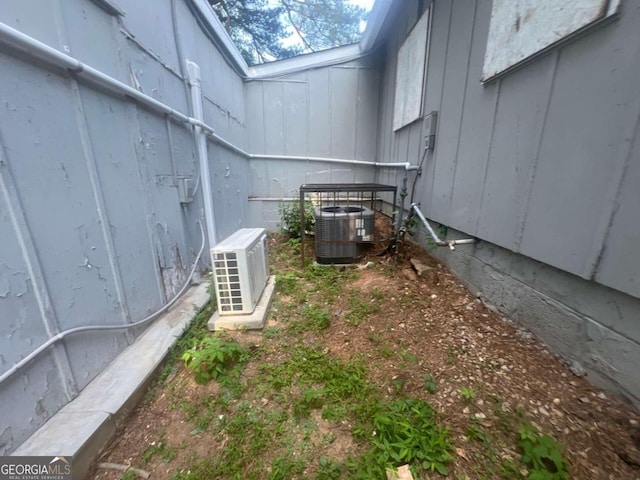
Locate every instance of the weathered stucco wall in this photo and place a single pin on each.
(91, 228)
(543, 163)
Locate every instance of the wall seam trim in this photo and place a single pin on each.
(440, 117)
(125, 32)
(534, 166)
(36, 276)
(592, 269)
(98, 197)
(461, 120)
(485, 171)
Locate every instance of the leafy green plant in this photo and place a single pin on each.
(406, 431)
(271, 332)
(430, 383)
(290, 217)
(541, 454)
(467, 393)
(213, 358)
(411, 225)
(194, 334)
(311, 399)
(477, 433)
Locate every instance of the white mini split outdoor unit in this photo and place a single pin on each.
(240, 270)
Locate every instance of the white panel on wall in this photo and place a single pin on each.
(522, 28)
(410, 74)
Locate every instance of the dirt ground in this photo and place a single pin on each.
(422, 325)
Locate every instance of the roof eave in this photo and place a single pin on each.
(376, 20)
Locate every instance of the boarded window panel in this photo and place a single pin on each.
(410, 74)
(522, 28)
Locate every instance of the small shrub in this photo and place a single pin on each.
(290, 218)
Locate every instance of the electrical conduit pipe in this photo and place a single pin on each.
(100, 328)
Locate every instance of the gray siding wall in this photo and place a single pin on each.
(91, 228)
(543, 162)
(320, 112)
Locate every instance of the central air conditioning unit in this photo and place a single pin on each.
(240, 270)
(341, 231)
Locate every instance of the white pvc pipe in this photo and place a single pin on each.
(303, 158)
(193, 72)
(16, 39)
(228, 145)
(436, 239)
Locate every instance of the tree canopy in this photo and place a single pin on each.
(265, 30)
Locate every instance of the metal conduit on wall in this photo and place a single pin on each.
(101, 328)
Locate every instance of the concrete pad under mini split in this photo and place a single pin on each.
(84, 426)
(252, 321)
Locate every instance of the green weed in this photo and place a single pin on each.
(284, 468)
(467, 393)
(166, 453)
(329, 470)
(329, 281)
(406, 431)
(214, 357)
(430, 383)
(271, 332)
(314, 319)
(129, 475)
(287, 283)
(192, 335)
(541, 454)
(360, 308)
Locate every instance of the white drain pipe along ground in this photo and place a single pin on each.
(436, 239)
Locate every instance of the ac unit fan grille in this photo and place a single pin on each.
(228, 281)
